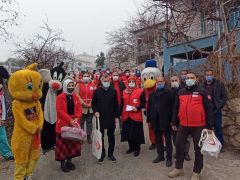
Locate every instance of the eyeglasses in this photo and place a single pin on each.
(174, 80)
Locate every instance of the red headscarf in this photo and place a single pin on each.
(129, 89)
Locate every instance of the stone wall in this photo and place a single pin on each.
(231, 122)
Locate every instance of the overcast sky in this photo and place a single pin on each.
(83, 22)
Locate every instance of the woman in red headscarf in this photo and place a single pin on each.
(131, 109)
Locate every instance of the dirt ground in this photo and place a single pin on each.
(128, 167)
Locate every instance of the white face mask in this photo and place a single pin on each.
(175, 85)
(190, 82)
(115, 78)
(86, 79)
(1, 86)
(131, 84)
(106, 84)
(127, 74)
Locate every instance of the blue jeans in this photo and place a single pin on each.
(5, 150)
(218, 125)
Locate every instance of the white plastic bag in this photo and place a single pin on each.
(210, 144)
(96, 140)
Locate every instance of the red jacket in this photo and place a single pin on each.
(193, 108)
(191, 111)
(132, 100)
(86, 92)
(63, 118)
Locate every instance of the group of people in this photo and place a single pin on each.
(177, 110)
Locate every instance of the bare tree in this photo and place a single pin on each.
(123, 40)
(8, 18)
(45, 49)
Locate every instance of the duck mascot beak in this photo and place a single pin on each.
(149, 83)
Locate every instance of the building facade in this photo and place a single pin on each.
(149, 44)
(202, 34)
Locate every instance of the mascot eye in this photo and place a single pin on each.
(152, 77)
(60, 77)
(144, 79)
(29, 86)
(55, 75)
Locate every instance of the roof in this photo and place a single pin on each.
(150, 27)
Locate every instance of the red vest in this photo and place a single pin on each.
(125, 80)
(132, 100)
(191, 110)
(86, 92)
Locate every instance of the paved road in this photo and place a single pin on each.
(128, 167)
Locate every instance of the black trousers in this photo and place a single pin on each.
(111, 141)
(187, 143)
(160, 145)
(182, 135)
(48, 136)
(134, 146)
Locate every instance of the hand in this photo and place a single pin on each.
(97, 114)
(134, 109)
(75, 120)
(72, 121)
(174, 127)
(210, 131)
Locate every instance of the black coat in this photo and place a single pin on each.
(220, 94)
(160, 108)
(105, 102)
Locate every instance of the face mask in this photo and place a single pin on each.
(183, 77)
(108, 72)
(86, 79)
(175, 85)
(115, 78)
(127, 74)
(190, 82)
(70, 90)
(160, 86)
(1, 86)
(106, 84)
(131, 84)
(209, 78)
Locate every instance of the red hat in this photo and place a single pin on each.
(132, 78)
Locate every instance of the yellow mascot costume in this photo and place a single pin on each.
(25, 86)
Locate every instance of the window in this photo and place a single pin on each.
(234, 18)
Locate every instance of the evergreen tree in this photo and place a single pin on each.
(100, 61)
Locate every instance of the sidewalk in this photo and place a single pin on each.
(128, 167)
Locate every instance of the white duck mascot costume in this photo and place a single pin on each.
(149, 76)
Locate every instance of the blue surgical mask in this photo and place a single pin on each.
(160, 86)
(183, 77)
(209, 78)
(106, 84)
(190, 82)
